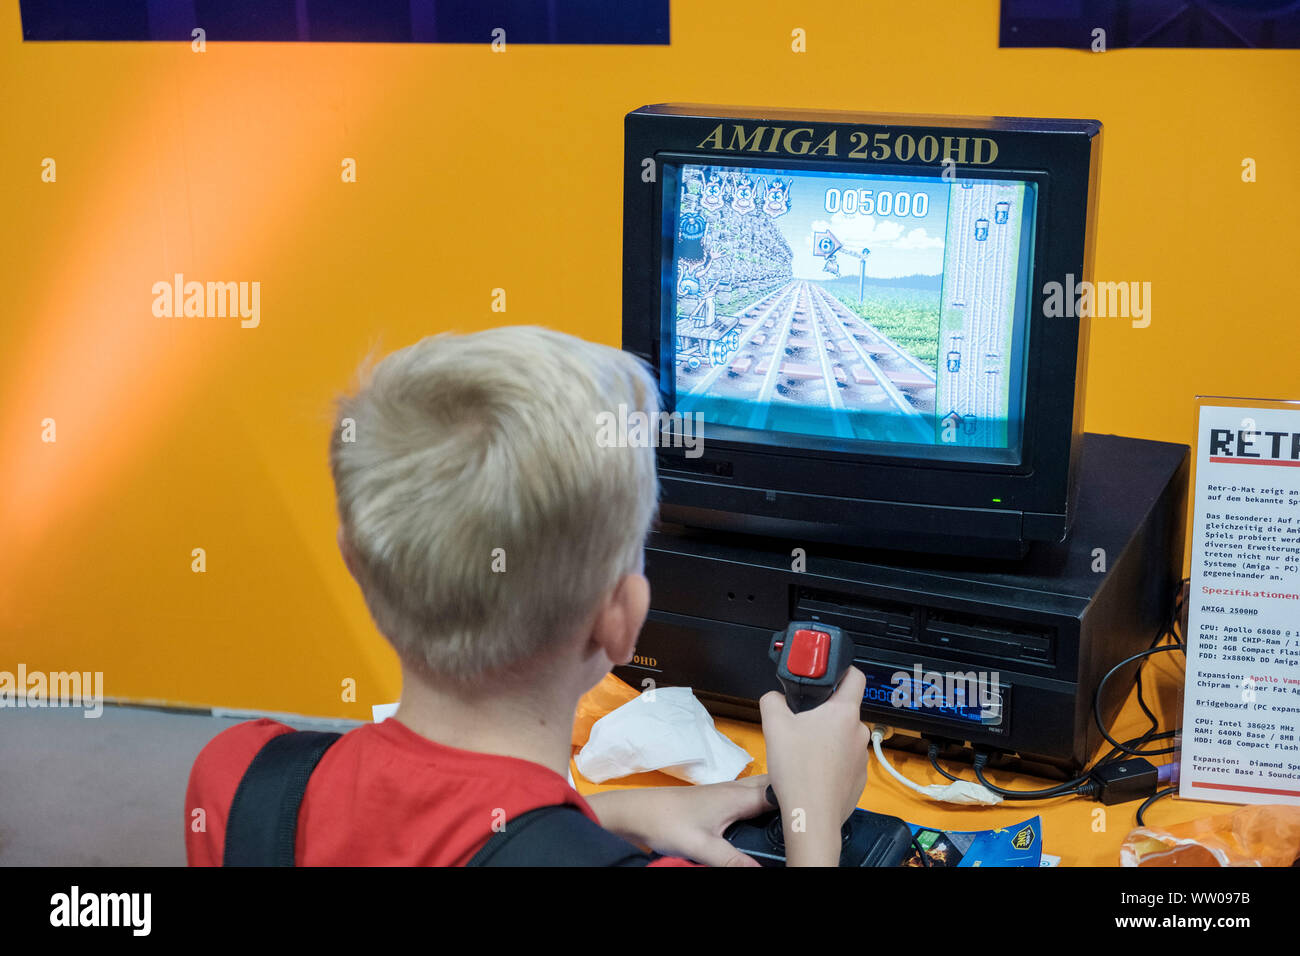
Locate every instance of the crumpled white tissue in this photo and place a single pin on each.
(665, 729)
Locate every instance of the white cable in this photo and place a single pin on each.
(959, 791)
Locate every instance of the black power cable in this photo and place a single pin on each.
(1169, 630)
(1079, 786)
(1150, 800)
(934, 762)
(1050, 791)
(1083, 785)
(1096, 701)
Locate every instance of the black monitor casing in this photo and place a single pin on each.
(850, 497)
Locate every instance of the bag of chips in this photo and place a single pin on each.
(1267, 835)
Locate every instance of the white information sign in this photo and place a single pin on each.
(1241, 705)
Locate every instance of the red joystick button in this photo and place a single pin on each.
(809, 653)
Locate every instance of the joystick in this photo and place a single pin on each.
(811, 659)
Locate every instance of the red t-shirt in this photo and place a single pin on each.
(381, 796)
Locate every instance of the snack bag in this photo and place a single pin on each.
(1267, 835)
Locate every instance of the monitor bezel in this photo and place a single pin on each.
(756, 487)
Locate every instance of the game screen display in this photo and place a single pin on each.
(817, 307)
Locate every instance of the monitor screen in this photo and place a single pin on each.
(886, 314)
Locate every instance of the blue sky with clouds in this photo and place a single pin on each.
(900, 245)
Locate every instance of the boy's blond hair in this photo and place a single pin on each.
(486, 518)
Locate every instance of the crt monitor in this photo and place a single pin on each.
(866, 326)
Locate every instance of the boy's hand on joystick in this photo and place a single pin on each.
(817, 762)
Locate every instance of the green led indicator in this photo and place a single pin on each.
(997, 501)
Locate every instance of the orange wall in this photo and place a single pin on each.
(479, 170)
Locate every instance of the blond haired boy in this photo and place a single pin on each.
(498, 545)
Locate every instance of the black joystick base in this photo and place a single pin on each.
(866, 839)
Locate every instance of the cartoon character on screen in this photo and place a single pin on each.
(691, 281)
(691, 228)
(688, 281)
(705, 313)
(712, 198)
(742, 197)
(776, 201)
(824, 246)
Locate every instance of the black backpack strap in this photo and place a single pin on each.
(263, 818)
(557, 835)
